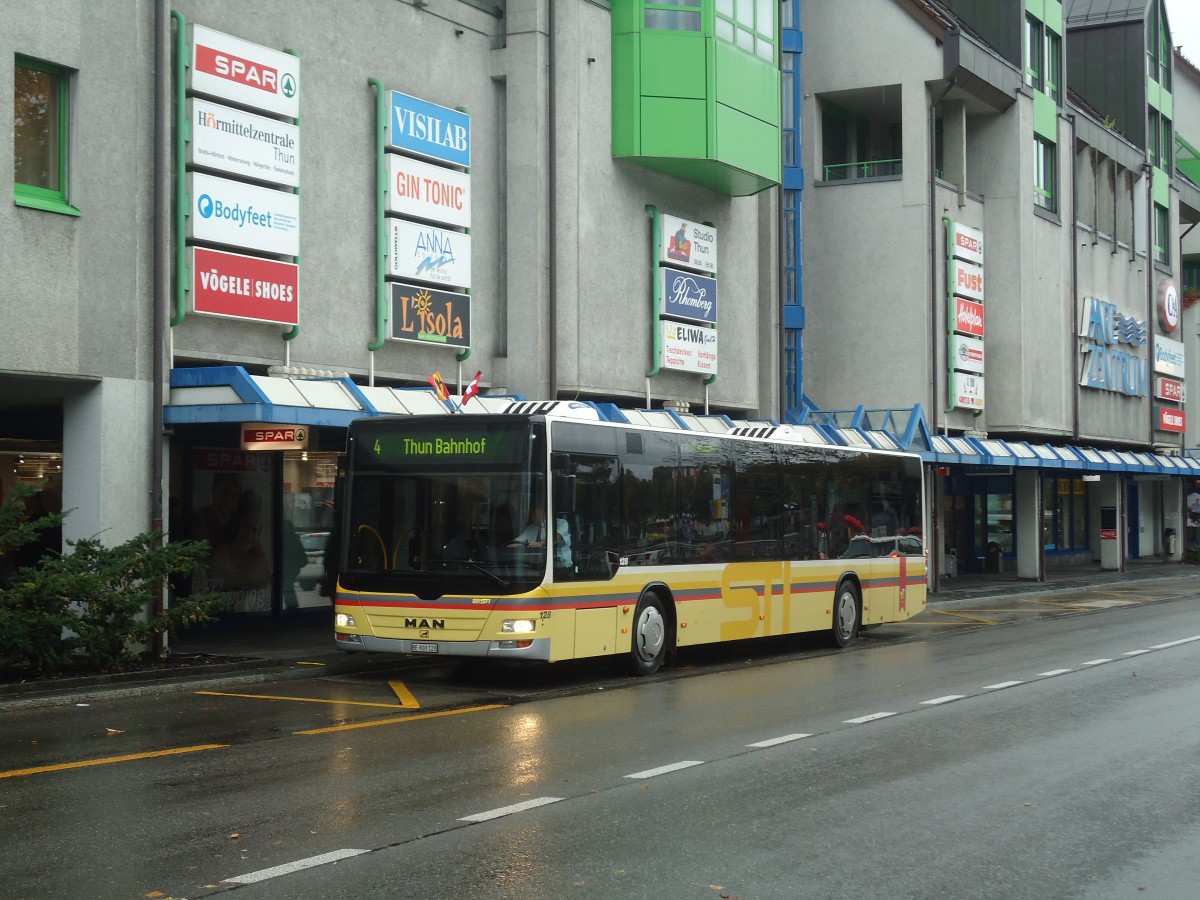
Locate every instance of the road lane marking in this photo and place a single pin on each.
(1175, 643)
(663, 770)
(1002, 684)
(108, 760)
(942, 612)
(407, 700)
(299, 699)
(432, 715)
(779, 740)
(871, 718)
(1053, 672)
(509, 810)
(298, 865)
(936, 701)
(1134, 652)
(1095, 662)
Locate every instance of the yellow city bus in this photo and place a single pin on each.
(651, 538)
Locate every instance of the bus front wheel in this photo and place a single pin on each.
(846, 619)
(649, 636)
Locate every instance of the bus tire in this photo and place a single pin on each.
(649, 648)
(846, 617)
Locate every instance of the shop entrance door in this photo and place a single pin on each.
(1132, 517)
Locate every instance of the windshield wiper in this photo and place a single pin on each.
(479, 566)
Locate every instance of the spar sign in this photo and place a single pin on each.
(248, 74)
(244, 287)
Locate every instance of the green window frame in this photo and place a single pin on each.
(1044, 187)
(40, 136)
(1053, 62)
(1033, 52)
(1166, 141)
(1161, 233)
(680, 15)
(749, 25)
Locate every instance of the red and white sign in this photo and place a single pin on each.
(1168, 305)
(968, 243)
(1171, 420)
(968, 317)
(966, 354)
(1108, 534)
(244, 287)
(246, 73)
(267, 436)
(968, 280)
(1168, 389)
(967, 390)
(425, 191)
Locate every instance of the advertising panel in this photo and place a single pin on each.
(246, 73)
(424, 191)
(243, 215)
(426, 316)
(968, 317)
(427, 253)
(968, 280)
(966, 354)
(271, 436)
(686, 295)
(1168, 305)
(243, 144)
(244, 287)
(426, 129)
(968, 243)
(232, 510)
(967, 390)
(688, 245)
(1169, 389)
(1168, 356)
(1170, 419)
(688, 348)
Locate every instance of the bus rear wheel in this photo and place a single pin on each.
(649, 636)
(846, 619)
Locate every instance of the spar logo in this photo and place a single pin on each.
(246, 72)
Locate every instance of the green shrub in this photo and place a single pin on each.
(94, 605)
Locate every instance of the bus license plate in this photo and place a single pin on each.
(419, 647)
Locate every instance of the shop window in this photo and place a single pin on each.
(1161, 234)
(40, 136)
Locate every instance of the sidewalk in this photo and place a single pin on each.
(304, 648)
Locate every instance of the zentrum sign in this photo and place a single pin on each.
(246, 73)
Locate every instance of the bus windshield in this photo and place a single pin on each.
(442, 506)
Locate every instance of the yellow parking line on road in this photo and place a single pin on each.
(38, 770)
(407, 700)
(297, 699)
(432, 715)
(942, 612)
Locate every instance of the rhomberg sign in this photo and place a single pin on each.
(244, 287)
(246, 73)
(426, 316)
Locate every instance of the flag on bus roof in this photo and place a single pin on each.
(439, 386)
(472, 388)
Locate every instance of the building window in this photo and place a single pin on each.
(1033, 51)
(1158, 46)
(1043, 175)
(683, 15)
(1053, 64)
(1161, 233)
(40, 136)
(748, 24)
(1165, 142)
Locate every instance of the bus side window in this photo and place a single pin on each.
(596, 504)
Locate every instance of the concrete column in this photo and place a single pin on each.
(106, 461)
(954, 146)
(1172, 516)
(1030, 545)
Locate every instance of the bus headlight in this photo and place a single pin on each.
(344, 620)
(517, 626)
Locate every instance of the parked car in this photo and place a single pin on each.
(314, 549)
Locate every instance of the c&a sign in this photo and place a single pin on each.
(425, 316)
